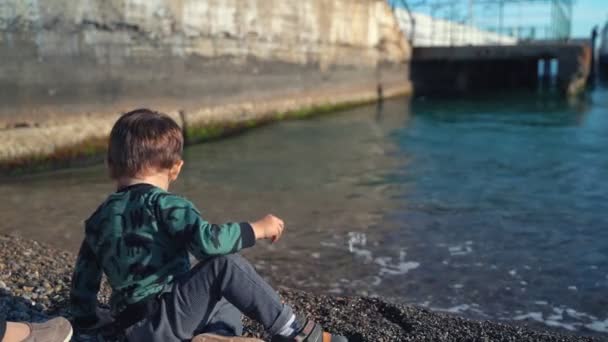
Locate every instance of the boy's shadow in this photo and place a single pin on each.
(18, 309)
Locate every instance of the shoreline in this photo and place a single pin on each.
(70, 141)
(35, 278)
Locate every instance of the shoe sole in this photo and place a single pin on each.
(69, 337)
(219, 338)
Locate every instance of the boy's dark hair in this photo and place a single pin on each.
(142, 139)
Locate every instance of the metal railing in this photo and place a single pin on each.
(411, 21)
(478, 22)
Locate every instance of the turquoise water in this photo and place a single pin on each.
(491, 207)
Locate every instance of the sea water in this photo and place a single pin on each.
(492, 207)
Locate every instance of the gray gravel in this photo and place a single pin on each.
(35, 278)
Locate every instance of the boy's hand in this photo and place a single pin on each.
(270, 227)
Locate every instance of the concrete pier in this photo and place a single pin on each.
(458, 70)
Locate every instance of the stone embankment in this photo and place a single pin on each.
(84, 137)
(35, 278)
(218, 66)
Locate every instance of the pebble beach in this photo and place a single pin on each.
(35, 278)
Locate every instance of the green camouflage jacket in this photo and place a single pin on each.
(140, 238)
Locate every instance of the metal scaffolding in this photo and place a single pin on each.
(519, 20)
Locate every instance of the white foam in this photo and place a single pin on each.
(541, 302)
(459, 250)
(383, 261)
(566, 318)
(457, 309)
(535, 316)
(572, 288)
(513, 272)
(316, 255)
(538, 317)
(457, 286)
(551, 323)
(356, 242)
(558, 315)
(356, 239)
(579, 315)
(362, 253)
(598, 326)
(461, 308)
(398, 268)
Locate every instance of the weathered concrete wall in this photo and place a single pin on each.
(73, 66)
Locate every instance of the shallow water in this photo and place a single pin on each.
(489, 207)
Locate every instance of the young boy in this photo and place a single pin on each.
(140, 238)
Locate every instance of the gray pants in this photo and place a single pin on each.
(211, 298)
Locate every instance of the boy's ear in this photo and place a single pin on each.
(175, 170)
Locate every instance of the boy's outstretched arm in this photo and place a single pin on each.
(85, 286)
(203, 239)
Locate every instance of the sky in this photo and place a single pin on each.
(586, 14)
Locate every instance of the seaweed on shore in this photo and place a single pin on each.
(86, 152)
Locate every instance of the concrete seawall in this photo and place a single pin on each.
(69, 69)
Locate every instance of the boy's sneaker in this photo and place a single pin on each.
(218, 338)
(312, 332)
(54, 330)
